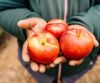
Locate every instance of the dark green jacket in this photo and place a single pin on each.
(82, 12)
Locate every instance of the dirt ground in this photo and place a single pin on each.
(11, 71)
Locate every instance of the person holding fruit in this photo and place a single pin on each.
(23, 19)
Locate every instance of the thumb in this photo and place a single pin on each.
(24, 24)
(95, 42)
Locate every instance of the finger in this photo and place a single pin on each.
(25, 55)
(25, 23)
(42, 68)
(31, 22)
(75, 62)
(34, 66)
(95, 42)
(51, 65)
(59, 60)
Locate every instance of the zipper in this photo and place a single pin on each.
(65, 9)
(59, 76)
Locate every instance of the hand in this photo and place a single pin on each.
(32, 25)
(35, 25)
(75, 62)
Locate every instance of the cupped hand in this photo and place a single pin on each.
(32, 26)
(76, 62)
(95, 43)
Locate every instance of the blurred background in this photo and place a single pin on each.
(11, 71)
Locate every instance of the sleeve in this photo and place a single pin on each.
(90, 20)
(11, 11)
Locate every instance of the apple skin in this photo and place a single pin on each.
(56, 27)
(76, 44)
(43, 47)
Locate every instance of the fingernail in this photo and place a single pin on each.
(71, 63)
(34, 67)
(22, 21)
(26, 59)
(52, 65)
(97, 44)
(56, 62)
(42, 70)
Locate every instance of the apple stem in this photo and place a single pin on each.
(59, 77)
(78, 32)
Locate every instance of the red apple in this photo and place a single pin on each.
(56, 27)
(76, 44)
(43, 47)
